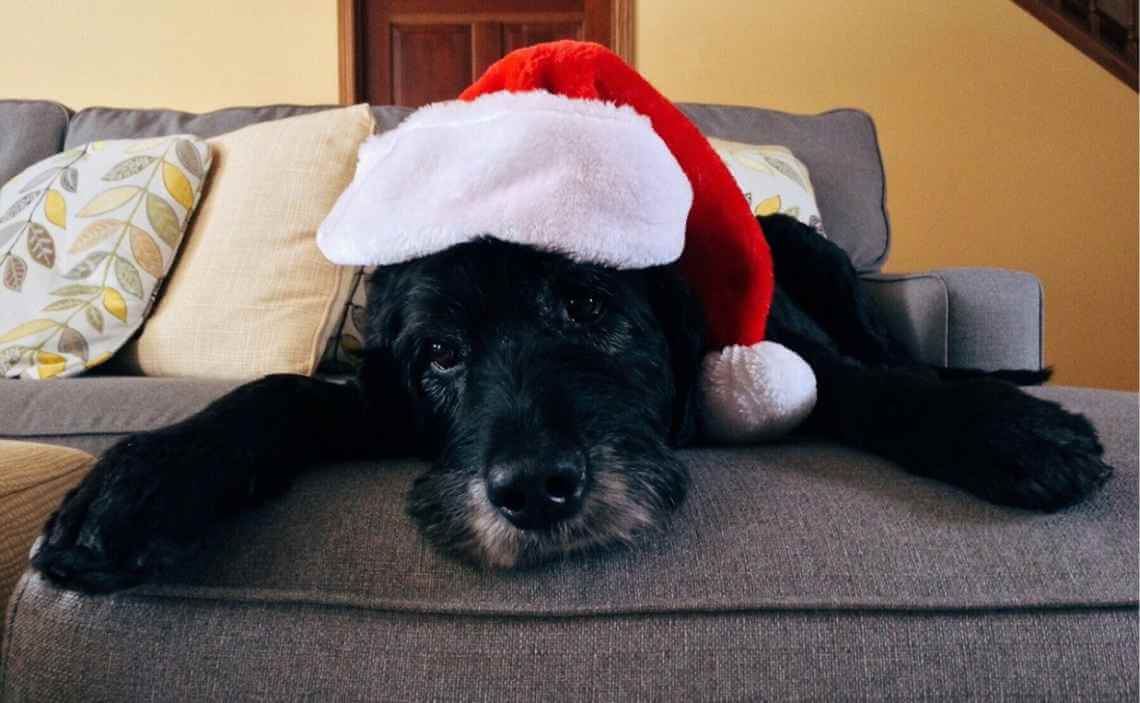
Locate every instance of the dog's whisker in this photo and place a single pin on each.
(611, 515)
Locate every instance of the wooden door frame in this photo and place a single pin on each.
(348, 44)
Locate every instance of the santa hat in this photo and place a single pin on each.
(564, 147)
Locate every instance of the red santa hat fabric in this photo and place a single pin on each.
(726, 258)
(578, 167)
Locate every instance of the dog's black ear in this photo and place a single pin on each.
(382, 377)
(682, 321)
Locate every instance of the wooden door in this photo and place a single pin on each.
(413, 52)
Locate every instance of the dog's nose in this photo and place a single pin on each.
(535, 498)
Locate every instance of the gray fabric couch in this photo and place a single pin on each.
(795, 571)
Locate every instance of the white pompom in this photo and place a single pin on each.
(755, 393)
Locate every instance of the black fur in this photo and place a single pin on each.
(529, 388)
(972, 429)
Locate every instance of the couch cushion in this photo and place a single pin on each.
(30, 130)
(792, 572)
(63, 648)
(92, 412)
(840, 149)
(792, 525)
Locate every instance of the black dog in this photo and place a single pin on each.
(551, 395)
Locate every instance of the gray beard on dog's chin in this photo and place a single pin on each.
(609, 516)
(622, 505)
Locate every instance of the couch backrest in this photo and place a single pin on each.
(30, 130)
(840, 149)
(114, 123)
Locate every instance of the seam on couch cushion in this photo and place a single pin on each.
(945, 315)
(12, 608)
(752, 656)
(877, 264)
(324, 599)
(889, 278)
(221, 110)
(1040, 324)
(33, 435)
(968, 317)
(91, 114)
(67, 111)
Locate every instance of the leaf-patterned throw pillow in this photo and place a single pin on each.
(86, 237)
(773, 180)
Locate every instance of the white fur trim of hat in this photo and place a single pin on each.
(584, 178)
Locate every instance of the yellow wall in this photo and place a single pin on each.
(1004, 146)
(983, 115)
(192, 55)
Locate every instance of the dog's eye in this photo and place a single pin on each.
(585, 307)
(443, 356)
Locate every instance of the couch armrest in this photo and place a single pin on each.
(964, 317)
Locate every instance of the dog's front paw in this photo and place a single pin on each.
(1015, 449)
(120, 526)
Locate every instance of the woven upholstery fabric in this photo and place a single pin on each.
(94, 123)
(251, 294)
(33, 479)
(118, 649)
(996, 318)
(841, 150)
(914, 307)
(794, 571)
(30, 130)
(90, 413)
(976, 318)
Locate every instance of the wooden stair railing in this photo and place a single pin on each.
(1105, 30)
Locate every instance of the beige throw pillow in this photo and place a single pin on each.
(251, 293)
